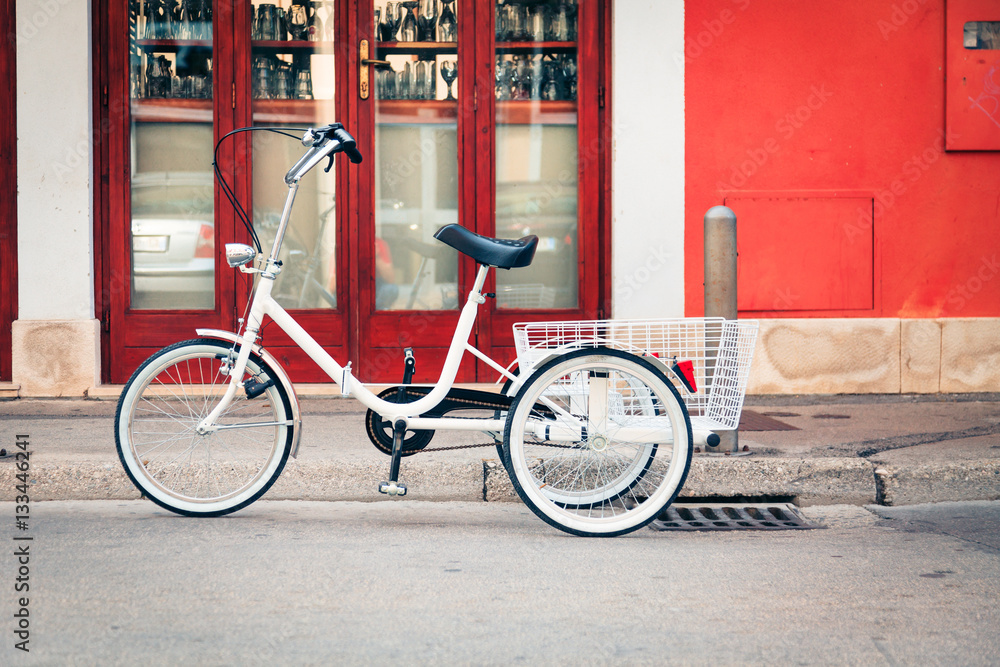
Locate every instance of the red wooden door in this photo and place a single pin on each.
(514, 147)
(165, 101)
(417, 131)
(549, 146)
(8, 192)
(362, 272)
(291, 77)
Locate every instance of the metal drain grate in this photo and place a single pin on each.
(723, 516)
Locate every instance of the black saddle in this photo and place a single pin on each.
(501, 253)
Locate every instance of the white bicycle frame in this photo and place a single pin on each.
(264, 304)
(567, 428)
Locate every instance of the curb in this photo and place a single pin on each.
(914, 484)
(820, 481)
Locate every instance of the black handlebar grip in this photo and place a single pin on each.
(349, 145)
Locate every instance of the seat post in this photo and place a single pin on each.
(477, 289)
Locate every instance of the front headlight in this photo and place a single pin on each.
(238, 254)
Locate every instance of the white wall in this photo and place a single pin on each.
(647, 261)
(54, 165)
(56, 339)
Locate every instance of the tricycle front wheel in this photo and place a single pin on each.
(206, 474)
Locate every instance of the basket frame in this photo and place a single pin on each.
(721, 351)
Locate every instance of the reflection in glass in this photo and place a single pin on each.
(172, 230)
(416, 194)
(293, 86)
(537, 194)
(981, 35)
(536, 150)
(416, 164)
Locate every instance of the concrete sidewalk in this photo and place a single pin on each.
(884, 449)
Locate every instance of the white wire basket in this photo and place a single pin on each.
(720, 350)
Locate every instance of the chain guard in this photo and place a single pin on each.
(380, 430)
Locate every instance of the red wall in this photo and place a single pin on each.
(823, 126)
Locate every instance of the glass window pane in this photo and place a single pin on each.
(173, 218)
(536, 150)
(292, 79)
(981, 35)
(416, 154)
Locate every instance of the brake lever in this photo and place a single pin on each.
(329, 165)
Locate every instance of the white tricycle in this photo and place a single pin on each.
(592, 429)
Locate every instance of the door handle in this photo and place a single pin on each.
(363, 71)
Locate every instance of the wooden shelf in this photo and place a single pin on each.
(292, 46)
(292, 111)
(159, 110)
(536, 47)
(415, 48)
(510, 112)
(536, 112)
(173, 45)
(417, 111)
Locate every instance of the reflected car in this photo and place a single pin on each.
(173, 241)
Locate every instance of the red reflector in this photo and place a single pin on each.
(685, 371)
(206, 242)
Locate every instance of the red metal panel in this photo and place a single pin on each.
(804, 253)
(842, 97)
(973, 80)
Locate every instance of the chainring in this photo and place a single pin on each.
(380, 430)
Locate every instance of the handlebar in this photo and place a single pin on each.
(318, 136)
(323, 142)
(349, 145)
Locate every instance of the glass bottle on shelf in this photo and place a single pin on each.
(449, 72)
(420, 80)
(174, 10)
(515, 19)
(426, 20)
(392, 18)
(569, 72)
(206, 19)
(267, 18)
(155, 16)
(298, 21)
(408, 28)
(314, 29)
(559, 24)
(537, 18)
(448, 23)
(281, 26)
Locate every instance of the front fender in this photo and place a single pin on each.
(279, 373)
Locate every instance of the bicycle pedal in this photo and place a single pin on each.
(392, 489)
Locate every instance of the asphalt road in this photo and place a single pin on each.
(485, 583)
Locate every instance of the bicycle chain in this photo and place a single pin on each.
(445, 449)
(456, 447)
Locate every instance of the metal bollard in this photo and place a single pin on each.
(720, 291)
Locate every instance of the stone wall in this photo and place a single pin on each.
(886, 356)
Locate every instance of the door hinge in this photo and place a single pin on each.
(105, 321)
(475, 97)
(234, 95)
(104, 96)
(600, 97)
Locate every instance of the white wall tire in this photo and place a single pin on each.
(200, 475)
(627, 467)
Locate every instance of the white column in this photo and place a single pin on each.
(56, 337)
(647, 261)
